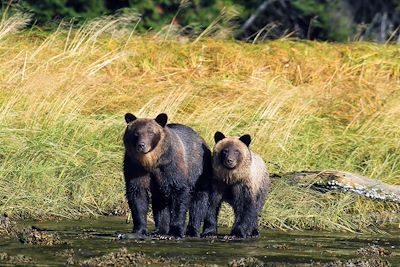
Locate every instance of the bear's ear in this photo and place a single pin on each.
(129, 117)
(162, 119)
(218, 136)
(246, 139)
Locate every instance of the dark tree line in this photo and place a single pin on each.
(333, 20)
(339, 20)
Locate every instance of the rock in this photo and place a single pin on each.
(19, 259)
(246, 262)
(32, 236)
(375, 262)
(119, 258)
(7, 227)
(374, 251)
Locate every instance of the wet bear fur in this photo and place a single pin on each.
(169, 165)
(240, 177)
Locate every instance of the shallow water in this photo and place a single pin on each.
(92, 238)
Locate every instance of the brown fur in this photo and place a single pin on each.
(181, 159)
(150, 159)
(251, 170)
(171, 164)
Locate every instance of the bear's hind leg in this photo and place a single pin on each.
(210, 222)
(260, 201)
(197, 212)
(179, 205)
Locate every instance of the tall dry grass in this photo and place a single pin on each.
(308, 105)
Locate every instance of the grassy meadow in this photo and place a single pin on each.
(308, 106)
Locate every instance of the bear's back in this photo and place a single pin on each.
(258, 172)
(184, 132)
(197, 151)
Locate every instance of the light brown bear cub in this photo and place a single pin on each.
(240, 177)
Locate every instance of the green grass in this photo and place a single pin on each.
(308, 105)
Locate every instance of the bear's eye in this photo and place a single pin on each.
(236, 152)
(225, 151)
(150, 131)
(135, 134)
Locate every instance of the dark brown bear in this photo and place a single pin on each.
(172, 163)
(240, 177)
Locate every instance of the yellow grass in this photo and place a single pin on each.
(307, 105)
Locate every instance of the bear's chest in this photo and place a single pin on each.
(162, 181)
(232, 193)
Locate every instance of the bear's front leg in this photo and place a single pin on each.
(137, 186)
(245, 212)
(180, 198)
(138, 200)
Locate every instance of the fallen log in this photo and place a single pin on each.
(346, 182)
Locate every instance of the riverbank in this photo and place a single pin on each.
(96, 243)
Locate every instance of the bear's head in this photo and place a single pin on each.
(231, 153)
(143, 136)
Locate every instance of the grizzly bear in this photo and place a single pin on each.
(171, 164)
(240, 177)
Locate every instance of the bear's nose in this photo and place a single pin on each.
(141, 146)
(229, 161)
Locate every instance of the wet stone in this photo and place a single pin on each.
(19, 259)
(30, 236)
(65, 253)
(246, 262)
(7, 227)
(119, 258)
(374, 251)
(373, 262)
(123, 258)
(278, 246)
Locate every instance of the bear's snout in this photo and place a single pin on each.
(141, 147)
(230, 163)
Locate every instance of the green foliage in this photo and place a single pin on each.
(336, 20)
(325, 23)
(48, 11)
(154, 14)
